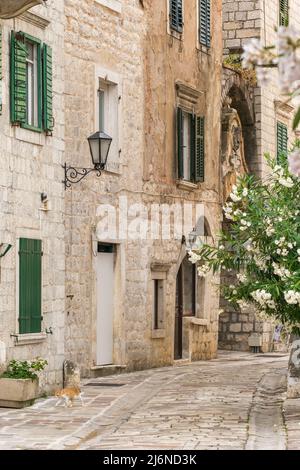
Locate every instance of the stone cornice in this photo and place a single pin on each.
(188, 93)
(35, 20)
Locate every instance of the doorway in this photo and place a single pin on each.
(105, 303)
(186, 302)
(178, 316)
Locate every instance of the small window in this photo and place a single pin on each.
(158, 304)
(33, 84)
(283, 12)
(190, 146)
(204, 9)
(176, 15)
(108, 120)
(187, 148)
(282, 140)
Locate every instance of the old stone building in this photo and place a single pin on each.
(265, 120)
(32, 299)
(148, 73)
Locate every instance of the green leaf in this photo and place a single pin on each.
(296, 120)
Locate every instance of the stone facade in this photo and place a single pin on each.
(30, 164)
(259, 108)
(258, 19)
(129, 45)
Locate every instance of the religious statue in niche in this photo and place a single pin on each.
(233, 152)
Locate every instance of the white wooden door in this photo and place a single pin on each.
(105, 308)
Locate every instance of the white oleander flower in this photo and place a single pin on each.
(203, 270)
(292, 297)
(242, 277)
(235, 198)
(193, 257)
(294, 162)
(287, 182)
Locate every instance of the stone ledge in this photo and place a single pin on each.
(33, 338)
(36, 20)
(186, 185)
(197, 321)
(158, 334)
(111, 366)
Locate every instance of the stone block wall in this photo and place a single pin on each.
(242, 20)
(133, 42)
(30, 163)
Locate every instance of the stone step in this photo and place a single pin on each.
(105, 371)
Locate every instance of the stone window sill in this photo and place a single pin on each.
(197, 321)
(114, 5)
(29, 136)
(176, 34)
(32, 338)
(158, 334)
(186, 185)
(204, 49)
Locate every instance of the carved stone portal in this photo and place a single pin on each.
(233, 151)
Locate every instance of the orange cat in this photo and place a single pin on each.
(68, 395)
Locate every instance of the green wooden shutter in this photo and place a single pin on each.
(18, 81)
(283, 12)
(30, 286)
(47, 89)
(193, 147)
(282, 139)
(180, 142)
(200, 149)
(204, 22)
(176, 15)
(0, 70)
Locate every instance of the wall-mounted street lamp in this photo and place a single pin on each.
(99, 147)
(13, 8)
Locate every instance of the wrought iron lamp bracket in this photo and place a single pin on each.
(74, 175)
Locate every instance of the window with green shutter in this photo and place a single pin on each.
(30, 286)
(190, 146)
(283, 12)
(282, 139)
(205, 22)
(31, 83)
(176, 15)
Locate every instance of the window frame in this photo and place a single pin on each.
(176, 32)
(284, 17)
(281, 125)
(208, 44)
(38, 43)
(197, 144)
(112, 85)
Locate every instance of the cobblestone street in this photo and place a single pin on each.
(234, 402)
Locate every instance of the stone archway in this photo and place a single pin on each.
(238, 156)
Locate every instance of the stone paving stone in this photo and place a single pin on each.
(204, 405)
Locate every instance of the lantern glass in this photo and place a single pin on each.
(99, 146)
